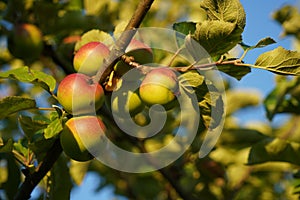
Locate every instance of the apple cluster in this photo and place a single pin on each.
(82, 96)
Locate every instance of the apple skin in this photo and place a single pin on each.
(160, 86)
(127, 102)
(141, 53)
(89, 128)
(25, 42)
(89, 58)
(79, 94)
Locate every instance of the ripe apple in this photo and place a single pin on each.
(25, 42)
(141, 53)
(160, 86)
(89, 58)
(80, 135)
(79, 94)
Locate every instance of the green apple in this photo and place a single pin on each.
(89, 58)
(141, 53)
(80, 135)
(160, 86)
(125, 99)
(79, 94)
(25, 42)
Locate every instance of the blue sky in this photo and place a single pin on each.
(259, 25)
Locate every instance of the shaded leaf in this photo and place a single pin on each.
(226, 10)
(217, 37)
(241, 137)
(40, 145)
(185, 27)
(7, 146)
(276, 99)
(274, 149)
(27, 75)
(59, 183)
(262, 43)
(234, 71)
(280, 61)
(30, 126)
(241, 99)
(195, 49)
(14, 176)
(13, 104)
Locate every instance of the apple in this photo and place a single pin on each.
(79, 94)
(160, 86)
(81, 134)
(25, 42)
(89, 58)
(125, 99)
(141, 53)
(127, 102)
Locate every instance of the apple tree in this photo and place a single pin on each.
(141, 96)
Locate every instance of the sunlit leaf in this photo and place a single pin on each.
(53, 129)
(13, 104)
(191, 78)
(280, 61)
(27, 75)
(226, 10)
(93, 36)
(78, 170)
(217, 37)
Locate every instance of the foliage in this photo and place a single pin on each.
(257, 161)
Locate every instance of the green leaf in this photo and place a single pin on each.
(274, 149)
(185, 27)
(59, 182)
(235, 71)
(191, 78)
(30, 126)
(280, 61)
(12, 184)
(240, 137)
(78, 170)
(13, 104)
(7, 147)
(40, 145)
(54, 128)
(27, 75)
(262, 43)
(225, 10)
(217, 37)
(93, 36)
(276, 101)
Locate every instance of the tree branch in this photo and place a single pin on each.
(33, 179)
(123, 41)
